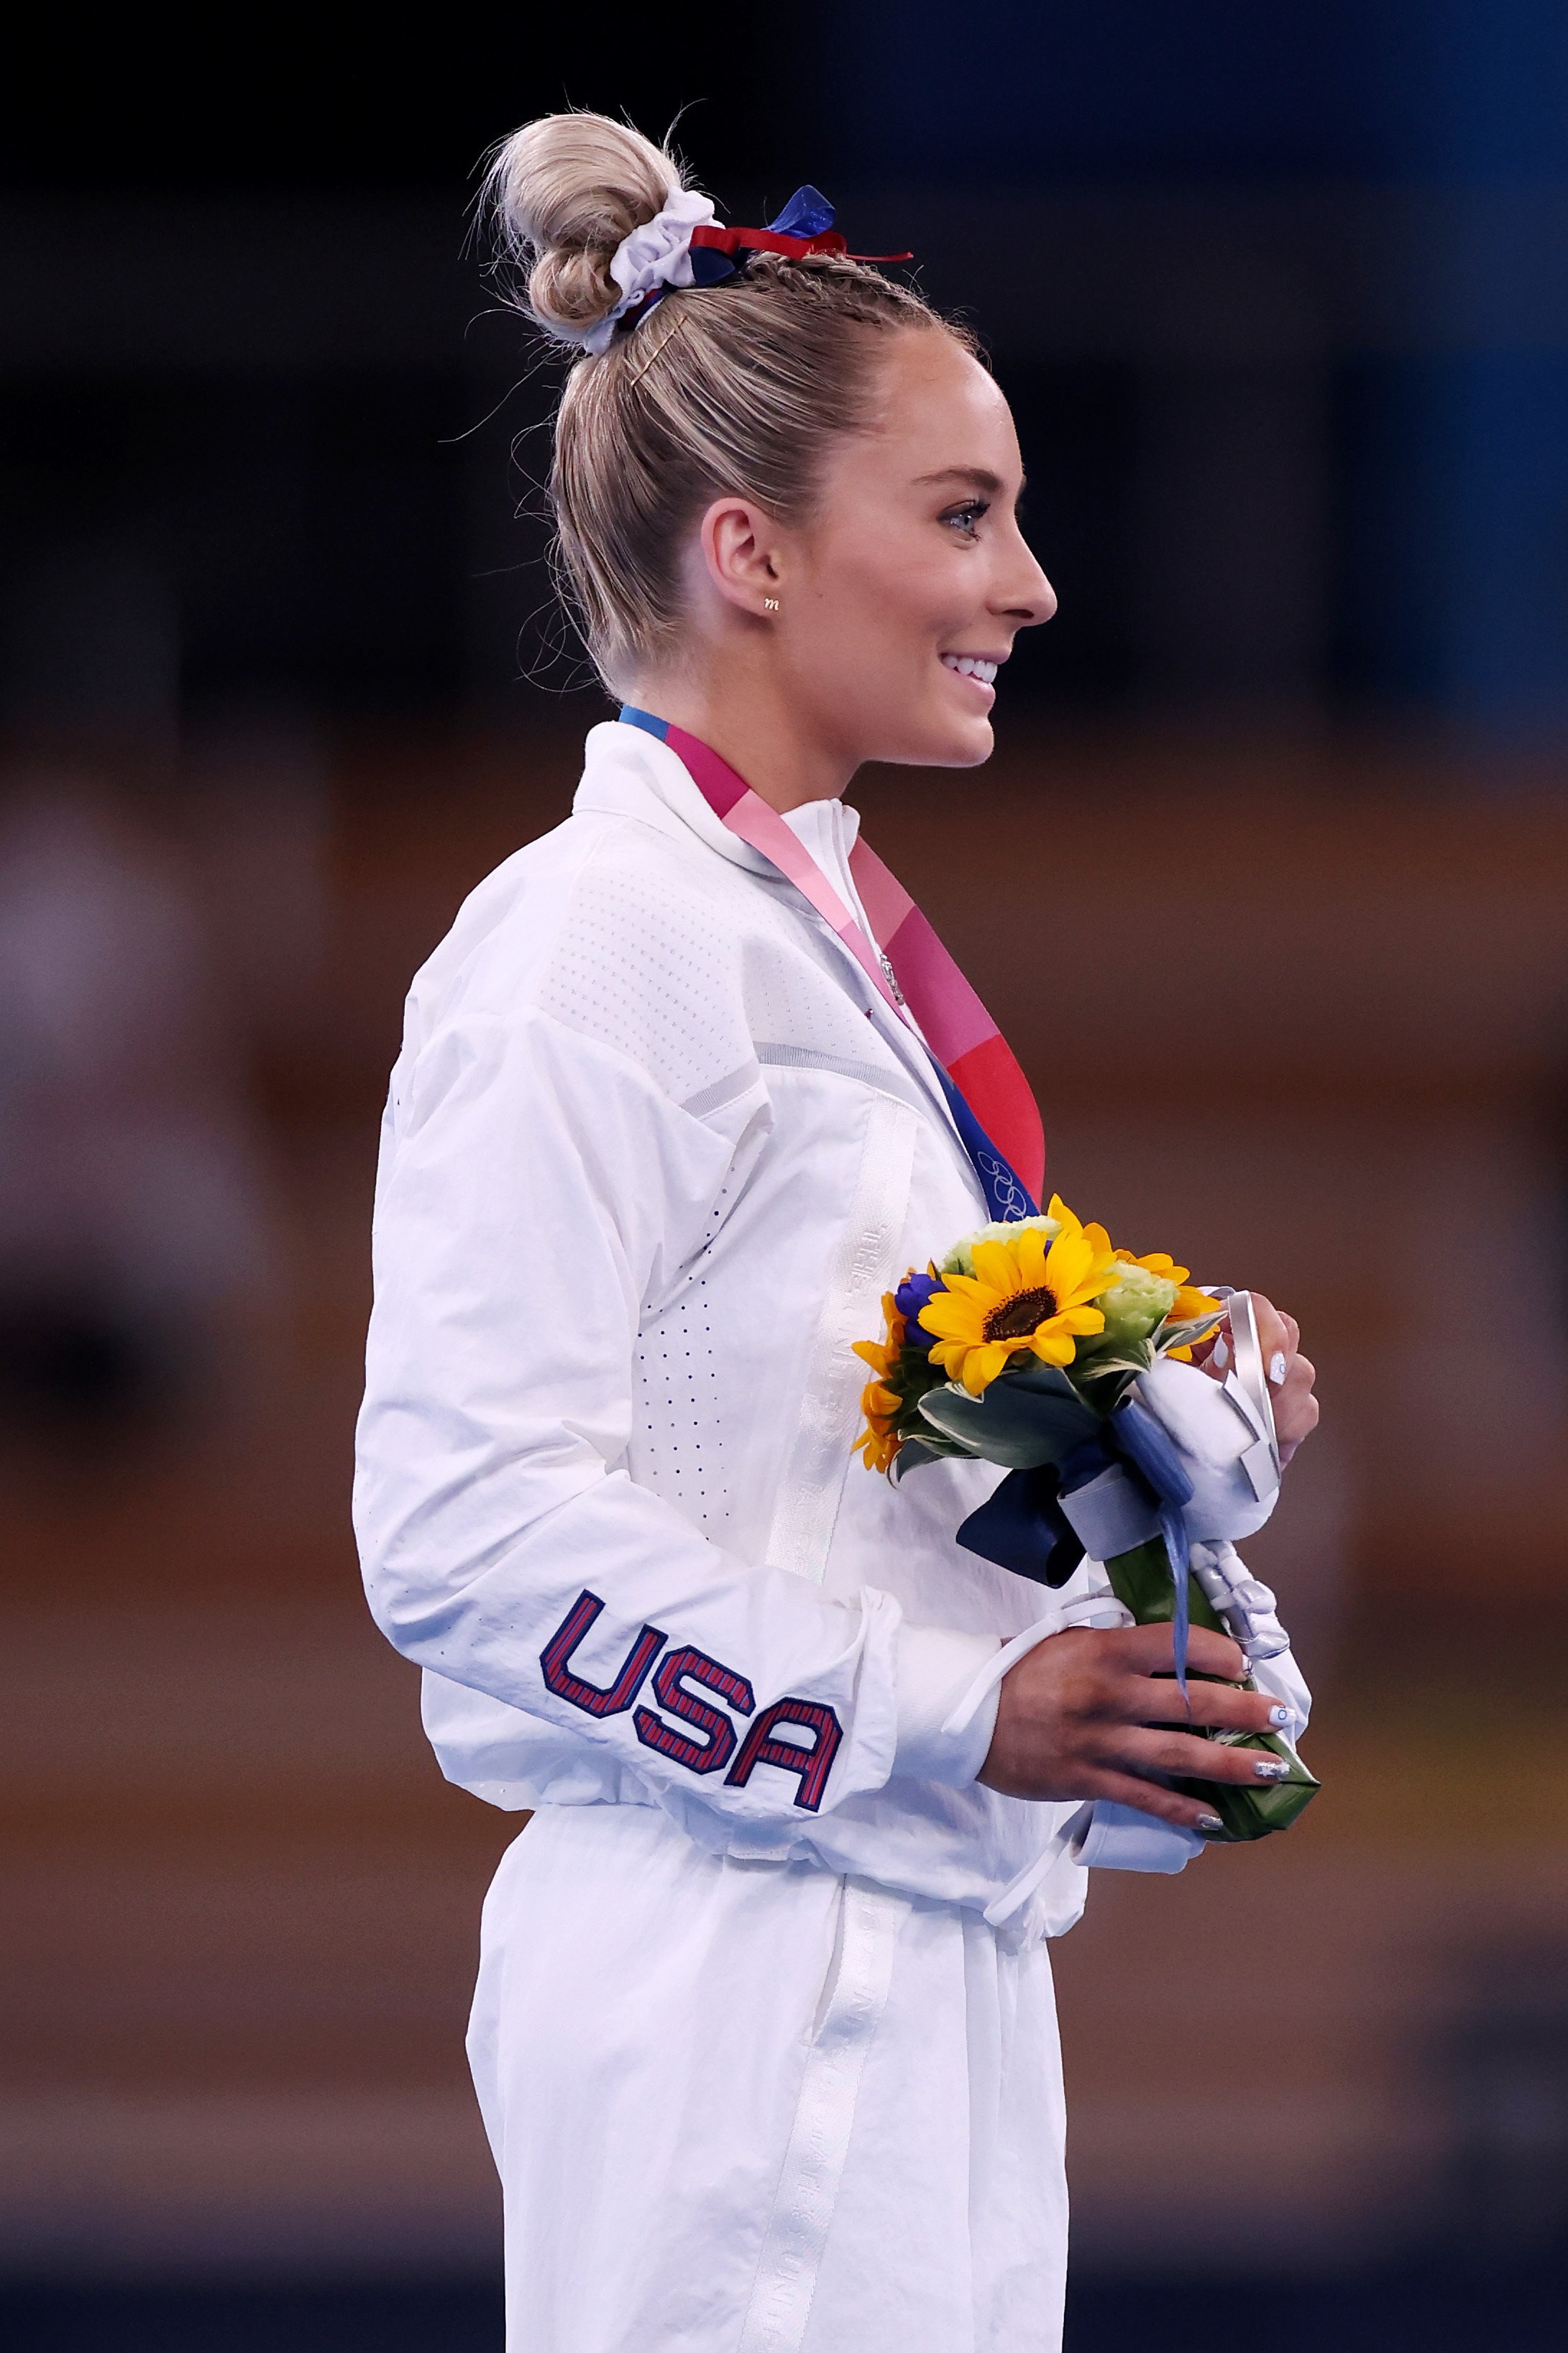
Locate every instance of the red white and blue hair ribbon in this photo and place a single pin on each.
(805, 227)
(683, 245)
(991, 1103)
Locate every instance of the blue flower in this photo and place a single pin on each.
(909, 1298)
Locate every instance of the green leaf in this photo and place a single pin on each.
(1143, 1583)
(1179, 1335)
(1092, 1368)
(1035, 1378)
(1105, 1395)
(1254, 1813)
(1020, 1421)
(914, 1452)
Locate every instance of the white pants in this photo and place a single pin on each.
(750, 2107)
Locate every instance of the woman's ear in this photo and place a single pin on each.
(741, 547)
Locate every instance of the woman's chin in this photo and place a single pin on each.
(939, 740)
(968, 745)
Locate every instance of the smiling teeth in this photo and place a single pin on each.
(972, 666)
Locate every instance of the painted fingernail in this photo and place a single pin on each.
(1209, 1823)
(1272, 1768)
(1276, 1368)
(1283, 1716)
(1221, 1357)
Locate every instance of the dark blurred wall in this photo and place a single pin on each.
(1317, 256)
(1281, 297)
(255, 422)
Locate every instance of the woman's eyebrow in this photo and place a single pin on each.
(978, 477)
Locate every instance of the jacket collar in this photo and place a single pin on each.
(629, 773)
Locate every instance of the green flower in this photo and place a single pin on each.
(960, 1259)
(1135, 1307)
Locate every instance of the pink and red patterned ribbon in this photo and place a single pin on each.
(965, 1041)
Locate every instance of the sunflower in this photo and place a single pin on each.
(878, 1442)
(1025, 1293)
(1189, 1303)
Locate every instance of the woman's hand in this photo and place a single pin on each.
(1291, 1375)
(1082, 1715)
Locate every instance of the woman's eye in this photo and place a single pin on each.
(966, 517)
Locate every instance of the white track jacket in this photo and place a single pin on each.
(653, 1152)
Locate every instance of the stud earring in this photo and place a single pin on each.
(770, 604)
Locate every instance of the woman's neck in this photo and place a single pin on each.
(756, 726)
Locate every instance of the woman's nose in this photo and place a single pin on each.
(1029, 600)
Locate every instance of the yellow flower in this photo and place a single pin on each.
(1189, 1303)
(960, 1258)
(1025, 1295)
(881, 1405)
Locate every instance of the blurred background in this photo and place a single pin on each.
(1280, 298)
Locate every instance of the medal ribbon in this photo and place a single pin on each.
(987, 1094)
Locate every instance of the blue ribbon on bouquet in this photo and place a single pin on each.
(1023, 1522)
(1140, 1442)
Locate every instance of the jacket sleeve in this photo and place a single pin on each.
(535, 1188)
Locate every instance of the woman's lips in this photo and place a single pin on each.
(973, 674)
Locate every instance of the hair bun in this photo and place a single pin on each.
(562, 194)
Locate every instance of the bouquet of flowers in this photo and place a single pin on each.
(1038, 1346)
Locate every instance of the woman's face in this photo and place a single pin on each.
(898, 602)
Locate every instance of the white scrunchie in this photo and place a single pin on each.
(657, 254)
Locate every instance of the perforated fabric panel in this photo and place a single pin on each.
(680, 1447)
(646, 965)
(785, 998)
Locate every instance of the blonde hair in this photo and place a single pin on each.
(739, 388)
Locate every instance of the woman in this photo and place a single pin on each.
(758, 2069)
